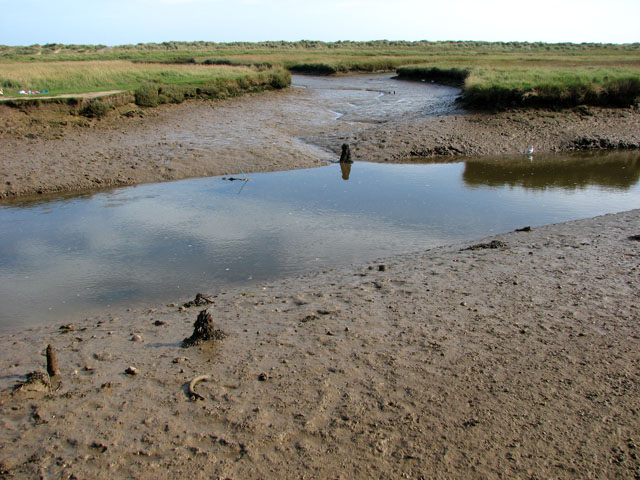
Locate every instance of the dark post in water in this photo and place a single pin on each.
(345, 156)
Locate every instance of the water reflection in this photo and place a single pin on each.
(345, 161)
(45, 199)
(61, 259)
(345, 168)
(618, 170)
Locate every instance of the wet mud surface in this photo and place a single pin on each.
(456, 362)
(381, 118)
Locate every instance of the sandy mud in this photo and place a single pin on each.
(517, 361)
(382, 119)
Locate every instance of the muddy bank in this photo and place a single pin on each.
(194, 139)
(298, 128)
(475, 134)
(515, 358)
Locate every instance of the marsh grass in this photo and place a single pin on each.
(442, 74)
(311, 50)
(501, 88)
(94, 109)
(492, 75)
(88, 76)
(543, 86)
(156, 93)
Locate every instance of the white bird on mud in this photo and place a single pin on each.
(529, 151)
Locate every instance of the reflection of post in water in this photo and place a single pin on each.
(345, 161)
(346, 169)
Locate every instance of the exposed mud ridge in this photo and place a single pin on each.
(475, 134)
(297, 128)
(598, 143)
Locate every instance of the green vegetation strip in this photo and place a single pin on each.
(491, 75)
(502, 88)
(151, 84)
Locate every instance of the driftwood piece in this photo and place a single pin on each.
(491, 244)
(194, 382)
(199, 301)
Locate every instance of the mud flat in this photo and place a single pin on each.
(504, 133)
(514, 356)
(297, 128)
(517, 361)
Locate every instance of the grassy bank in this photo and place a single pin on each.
(537, 87)
(455, 76)
(151, 84)
(492, 75)
(552, 87)
(88, 76)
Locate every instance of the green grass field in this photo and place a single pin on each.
(492, 75)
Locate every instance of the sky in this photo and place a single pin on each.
(119, 22)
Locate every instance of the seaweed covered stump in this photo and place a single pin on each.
(203, 330)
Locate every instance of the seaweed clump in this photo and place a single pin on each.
(203, 331)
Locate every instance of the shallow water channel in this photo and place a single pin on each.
(64, 259)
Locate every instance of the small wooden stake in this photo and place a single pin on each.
(345, 156)
(52, 363)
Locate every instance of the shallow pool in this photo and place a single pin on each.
(64, 259)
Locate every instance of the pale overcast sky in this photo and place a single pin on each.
(117, 22)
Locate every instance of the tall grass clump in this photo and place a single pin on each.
(550, 88)
(94, 109)
(279, 78)
(153, 94)
(313, 69)
(217, 61)
(152, 83)
(445, 75)
(347, 64)
(623, 91)
(147, 96)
